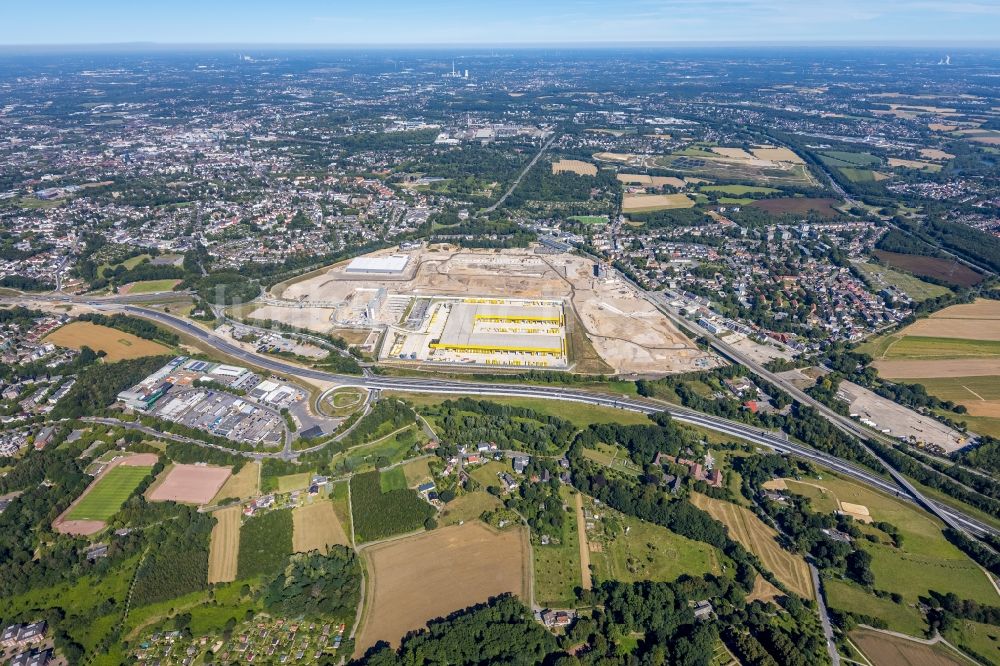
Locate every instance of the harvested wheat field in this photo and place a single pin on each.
(935, 154)
(763, 590)
(224, 549)
(316, 527)
(772, 154)
(118, 345)
(638, 203)
(419, 578)
(190, 484)
(761, 540)
(574, 166)
(884, 649)
(242, 485)
(899, 368)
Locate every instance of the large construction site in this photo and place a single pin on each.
(509, 308)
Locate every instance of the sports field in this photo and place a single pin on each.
(118, 345)
(224, 548)
(316, 527)
(148, 286)
(761, 540)
(418, 578)
(106, 495)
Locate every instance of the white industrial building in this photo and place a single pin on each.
(393, 264)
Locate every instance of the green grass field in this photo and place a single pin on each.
(858, 175)
(293, 482)
(961, 389)
(468, 507)
(149, 286)
(613, 456)
(854, 598)
(557, 567)
(929, 349)
(392, 479)
(129, 264)
(647, 551)
(839, 158)
(590, 219)
(983, 639)
(913, 287)
(110, 492)
(580, 414)
(926, 561)
(486, 475)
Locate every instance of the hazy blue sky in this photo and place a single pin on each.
(497, 21)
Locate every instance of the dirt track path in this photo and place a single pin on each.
(581, 530)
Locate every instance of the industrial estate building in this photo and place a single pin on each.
(226, 400)
(482, 331)
(394, 264)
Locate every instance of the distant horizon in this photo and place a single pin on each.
(595, 45)
(516, 23)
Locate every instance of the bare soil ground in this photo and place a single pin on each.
(224, 548)
(761, 540)
(316, 527)
(901, 421)
(88, 527)
(628, 333)
(190, 484)
(887, 650)
(419, 578)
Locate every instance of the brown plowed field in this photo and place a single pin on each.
(934, 267)
(190, 484)
(416, 579)
(887, 650)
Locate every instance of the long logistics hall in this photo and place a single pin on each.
(483, 331)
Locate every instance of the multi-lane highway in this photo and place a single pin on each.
(455, 387)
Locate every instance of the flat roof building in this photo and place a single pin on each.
(392, 264)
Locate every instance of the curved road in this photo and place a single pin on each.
(431, 385)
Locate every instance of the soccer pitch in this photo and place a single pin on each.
(103, 499)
